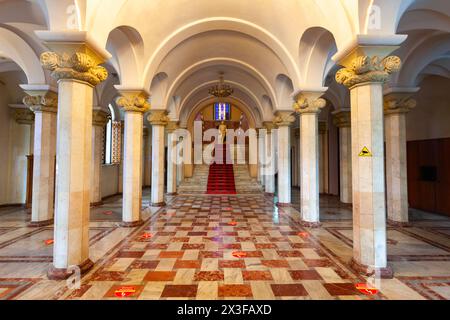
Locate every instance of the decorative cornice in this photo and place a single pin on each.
(134, 102)
(77, 66)
(342, 119)
(158, 117)
(305, 105)
(45, 102)
(100, 118)
(398, 103)
(284, 118)
(23, 116)
(172, 126)
(368, 69)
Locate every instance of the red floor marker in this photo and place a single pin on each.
(108, 213)
(49, 242)
(232, 223)
(124, 292)
(147, 235)
(303, 234)
(239, 254)
(366, 289)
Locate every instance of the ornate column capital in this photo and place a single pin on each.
(269, 126)
(23, 115)
(158, 117)
(399, 102)
(172, 126)
(367, 69)
(284, 118)
(45, 101)
(342, 119)
(82, 66)
(133, 101)
(100, 118)
(309, 103)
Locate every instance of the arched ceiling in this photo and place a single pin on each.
(175, 48)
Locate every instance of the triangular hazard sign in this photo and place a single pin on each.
(365, 152)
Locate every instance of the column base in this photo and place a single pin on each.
(158, 204)
(269, 194)
(399, 224)
(172, 193)
(63, 274)
(283, 205)
(96, 204)
(384, 273)
(38, 224)
(132, 224)
(311, 225)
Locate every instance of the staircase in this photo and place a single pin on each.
(221, 173)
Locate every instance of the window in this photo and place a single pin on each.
(222, 111)
(112, 139)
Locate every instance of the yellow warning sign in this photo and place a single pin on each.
(365, 152)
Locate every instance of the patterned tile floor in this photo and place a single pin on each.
(223, 247)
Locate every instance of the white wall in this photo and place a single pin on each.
(431, 117)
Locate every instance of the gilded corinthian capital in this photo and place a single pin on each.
(45, 102)
(134, 102)
(398, 103)
(77, 66)
(158, 117)
(283, 118)
(305, 104)
(368, 69)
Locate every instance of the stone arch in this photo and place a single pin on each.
(317, 47)
(158, 90)
(284, 89)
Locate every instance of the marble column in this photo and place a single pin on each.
(172, 127)
(261, 158)
(283, 121)
(396, 106)
(44, 104)
(134, 104)
(343, 122)
(269, 156)
(99, 121)
(147, 158)
(365, 75)
(309, 105)
(76, 68)
(158, 120)
(323, 157)
(252, 152)
(121, 163)
(180, 163)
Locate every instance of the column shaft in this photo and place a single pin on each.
(96, 165)
(345, 166)
(309, 167)
(369, 205)
(157, 197)
(44, 168)
(171, 163)
(132, 169)
(269, 172)
(74, 156)
(261, 158)
(396, 168)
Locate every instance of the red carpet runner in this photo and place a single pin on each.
(221, 174)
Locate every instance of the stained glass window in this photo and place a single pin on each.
(222, 111)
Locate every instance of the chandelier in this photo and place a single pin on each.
(221, 90)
